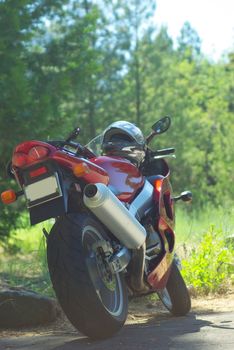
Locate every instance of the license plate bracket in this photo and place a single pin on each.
(43, 190)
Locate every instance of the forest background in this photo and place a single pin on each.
(67, 63)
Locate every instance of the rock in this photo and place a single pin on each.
(20, 308)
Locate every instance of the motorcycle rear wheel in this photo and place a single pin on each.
(93, 299)
(175, 296)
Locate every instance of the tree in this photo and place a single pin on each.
(189, 42)
(19, 20)
(133, 19)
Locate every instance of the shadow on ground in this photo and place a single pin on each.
(159, 332)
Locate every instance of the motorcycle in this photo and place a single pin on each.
(113, 235)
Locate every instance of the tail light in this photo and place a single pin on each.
(21, 159)
(36, 153)
(38, 172)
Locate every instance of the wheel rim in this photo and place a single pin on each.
(108, 286)
(165, 298)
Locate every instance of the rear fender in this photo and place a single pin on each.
(48, 210)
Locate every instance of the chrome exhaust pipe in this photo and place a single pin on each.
(113, 214)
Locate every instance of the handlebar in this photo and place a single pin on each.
(162, 152)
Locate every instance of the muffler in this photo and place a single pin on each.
(113, 214)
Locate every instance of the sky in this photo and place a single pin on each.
(212, 19)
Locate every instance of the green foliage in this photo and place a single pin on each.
(209, 266)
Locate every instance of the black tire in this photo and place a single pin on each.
(94, 302)
(175, 297)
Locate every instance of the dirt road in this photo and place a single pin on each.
(210, 325)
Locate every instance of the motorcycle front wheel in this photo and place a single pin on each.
(93, 298)
(175, 296)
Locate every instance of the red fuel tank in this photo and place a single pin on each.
(125, 178)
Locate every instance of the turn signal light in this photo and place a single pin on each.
(81, 169)
(8, 197)
(158, 184)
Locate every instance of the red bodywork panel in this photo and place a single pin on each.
(121, 175)
(96, 174)
(158, 277)
(125, 179)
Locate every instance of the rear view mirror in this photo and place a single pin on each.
(161, 125)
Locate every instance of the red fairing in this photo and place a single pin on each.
(96, 173)
(124, 177)
(158, 277)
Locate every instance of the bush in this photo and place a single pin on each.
(209, 268)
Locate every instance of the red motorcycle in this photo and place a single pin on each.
(113, 234)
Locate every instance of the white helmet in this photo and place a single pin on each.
(125, 140)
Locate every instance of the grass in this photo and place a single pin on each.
(29, 239)
(191, 225)
(25, 263)
(28, 272)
